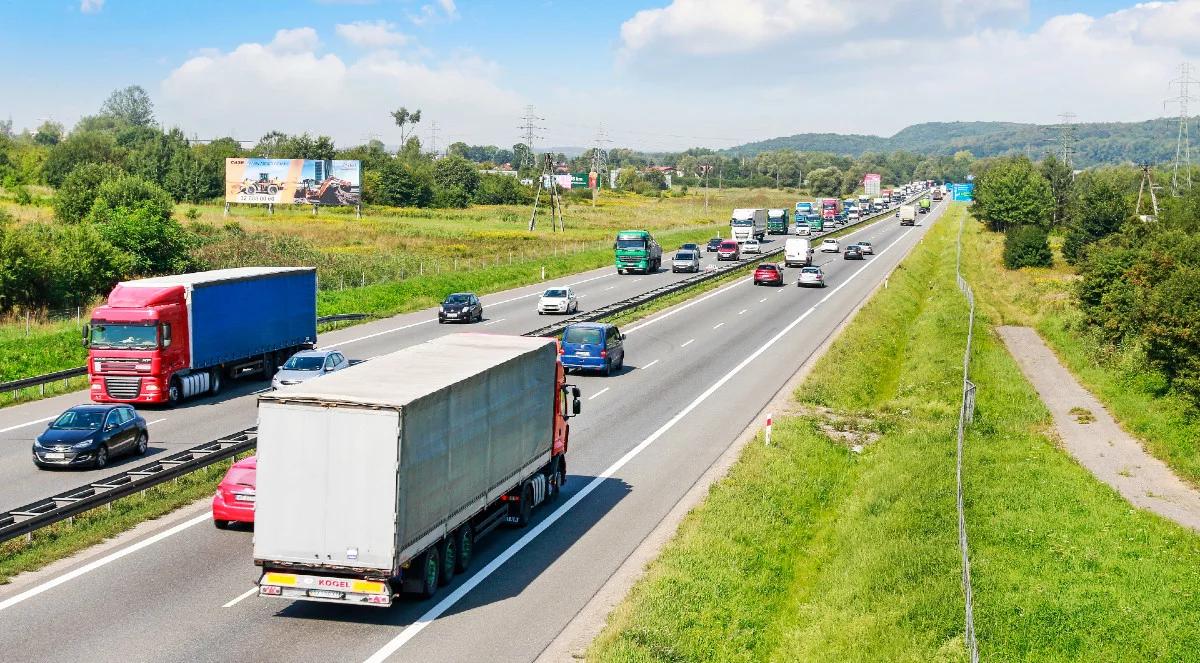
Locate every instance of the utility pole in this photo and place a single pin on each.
(1183, 149)
(529, 126)
(433, 138)
(1066, 140)
(1147, 185)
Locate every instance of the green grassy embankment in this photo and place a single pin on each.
(811, 551)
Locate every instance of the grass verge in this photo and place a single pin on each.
(1044, 299)
(811, 551)
(64, 539)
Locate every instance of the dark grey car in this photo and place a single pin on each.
(90, 435)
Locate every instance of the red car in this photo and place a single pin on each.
(234, 501)
(768, 272)
(729, 250)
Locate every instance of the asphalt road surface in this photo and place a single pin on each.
(694, 377)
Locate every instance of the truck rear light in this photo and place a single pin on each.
(377, 599)
(271, 590)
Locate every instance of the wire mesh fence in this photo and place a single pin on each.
(966, 414)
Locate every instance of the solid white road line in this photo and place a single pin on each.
(87, 568)
(27, 423)
(248, 593)
(598, 393)
(688, 342)
(471, 583)
(650, 364)
(718, 325)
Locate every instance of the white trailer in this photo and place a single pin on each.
(748, 223)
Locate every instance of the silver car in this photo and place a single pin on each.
(308, 364)
(686, 261)
(558, 300)
(811, 276)
(866, 248)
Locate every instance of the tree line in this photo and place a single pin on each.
(1139, 285)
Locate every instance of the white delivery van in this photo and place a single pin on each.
(797, 251)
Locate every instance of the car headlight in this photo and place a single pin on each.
(82, 445)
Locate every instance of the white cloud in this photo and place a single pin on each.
(431, 13)
(91, 6)
(371, 34)
(717, 26)
(255, 88)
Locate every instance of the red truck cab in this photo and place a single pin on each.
(136, 341)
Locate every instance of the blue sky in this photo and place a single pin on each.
(659, 74)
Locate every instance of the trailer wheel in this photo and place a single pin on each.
(431, 570)
(464, 540)
(214, 381)
(448, 556)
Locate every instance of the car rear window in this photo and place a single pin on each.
(769, 268)
(241, 475)
(583, 335)
(810, 270)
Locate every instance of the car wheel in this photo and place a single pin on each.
(448, 556)
(221, 524)
(621, 362)
(464, 541)
(442, 321)
(143, 443)
(431, 571)
(101, 458)
(607, 368)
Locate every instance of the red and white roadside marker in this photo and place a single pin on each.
(768, 434)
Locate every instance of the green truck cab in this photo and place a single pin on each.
(815, 223)
(777, 222)
(925, 204)
(636, 250)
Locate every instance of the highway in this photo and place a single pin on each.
(695, 376)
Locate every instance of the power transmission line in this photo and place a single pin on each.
(1183, 149)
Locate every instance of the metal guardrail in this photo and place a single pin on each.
(24, 520)
(47, 511)
(41, 380)
(966, 414)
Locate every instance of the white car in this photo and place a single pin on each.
(830, 246)
(853, 216)
(803, 230)
(866, 248)
(811, 276)
(558, 300)
(751, 246)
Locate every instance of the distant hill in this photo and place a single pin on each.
(1095, 143)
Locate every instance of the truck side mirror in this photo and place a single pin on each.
(576, 406)
(87, 334)
(166, 335)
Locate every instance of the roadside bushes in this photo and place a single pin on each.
(1026, 246)
(55, 265)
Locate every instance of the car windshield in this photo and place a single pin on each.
(583, 335)
(124, 336)
(458, 298)
(684, 255)
(79, 420)
(555, 293)
(729, 245)
(716, 241)
(631, 243)
(864, 243)
(306, 363)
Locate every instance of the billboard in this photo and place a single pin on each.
(302, 181)
(871, 183)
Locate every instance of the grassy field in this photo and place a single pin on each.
(397, 260)
(1135, 395)
(811, 551)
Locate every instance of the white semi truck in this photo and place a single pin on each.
(748, 223)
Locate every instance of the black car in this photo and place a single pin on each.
(460, 307)
(690, 246)
(713, 245)
(89, 435)
(853, 252)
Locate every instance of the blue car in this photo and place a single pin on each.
(593, 346)
(89, 435)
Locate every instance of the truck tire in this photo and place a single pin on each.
(525, 510)
(448, 560)
(174, 391)
(430, 567)
(464, 541)
(555, 480)
(214, 381)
